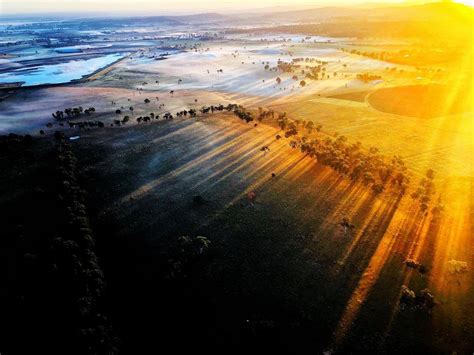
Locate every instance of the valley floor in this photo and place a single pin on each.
(283, 265)
(282, 271)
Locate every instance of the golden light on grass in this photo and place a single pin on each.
(433, 241)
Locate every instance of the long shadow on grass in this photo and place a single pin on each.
(272, 282)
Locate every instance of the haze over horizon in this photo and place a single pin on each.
(178, 7)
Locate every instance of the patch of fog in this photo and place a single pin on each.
(200, 71)
(294, 38)
(135, 43)
(29, 53)
(79, 48)
(150, 58)
(268, 51)
(58, 73)
(92, 32)
(136, 30)
(8, 63)
(207, 55)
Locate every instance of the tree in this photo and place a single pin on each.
(184, 252)
(345, 223)
(377, 188)
(292, 131)
(303, 83)
(430, 174)
(278, 80)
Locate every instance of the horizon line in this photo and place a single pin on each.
(222, 11)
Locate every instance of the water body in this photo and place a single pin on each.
(58, 73)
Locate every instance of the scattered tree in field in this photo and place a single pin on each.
(282, 122)
(183, 254)
(240, 112)
(425, 190)
(366, 77)
(377, 188)
(89, 110)
(367, 166)
(430, 174)
(345, 223)
(72, 112)
(292, 131)
(438, 209)
(423, 300)
(58, 115)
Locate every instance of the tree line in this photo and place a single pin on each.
(74, 264)
(351, 160)
(354, 161)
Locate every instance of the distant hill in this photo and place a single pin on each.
(205, 18)
(210, 17)
(443, 21)
(452, 15)
(430, 11)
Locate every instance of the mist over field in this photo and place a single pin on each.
(247, 177)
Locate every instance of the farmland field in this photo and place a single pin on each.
(422, 101)
(291, 182)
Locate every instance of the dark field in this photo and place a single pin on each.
(279, 270)
(279, 274)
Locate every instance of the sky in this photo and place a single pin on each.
(152, 7)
